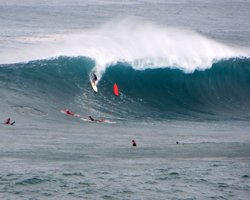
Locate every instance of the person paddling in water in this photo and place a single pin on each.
(8, 122)
(68, 112)
(96, 120)
(133, 143)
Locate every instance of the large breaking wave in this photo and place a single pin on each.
(142, 44)
(162, 73)
(219, 93)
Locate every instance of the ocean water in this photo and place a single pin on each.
(183, 72)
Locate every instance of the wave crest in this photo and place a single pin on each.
(139, 43)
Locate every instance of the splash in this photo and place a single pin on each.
(141, 44)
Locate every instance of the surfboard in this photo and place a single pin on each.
(94, 87)
(116, 91)
(70, 114)
(98, 121)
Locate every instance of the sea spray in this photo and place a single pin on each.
(139, 43)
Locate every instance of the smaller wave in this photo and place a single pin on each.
(245, 176)
(168, 176)
(32, 181)
(73, 174)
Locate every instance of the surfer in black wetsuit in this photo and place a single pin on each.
(96, 120)
(94, 78)
(133, 143)
(91, 118)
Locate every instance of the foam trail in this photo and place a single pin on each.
(142, 44)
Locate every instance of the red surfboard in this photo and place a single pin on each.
(116, 91)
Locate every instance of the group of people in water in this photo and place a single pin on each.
(68, 112)
(94, 79)
(8, 122)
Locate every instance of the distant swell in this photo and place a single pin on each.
(221, 92)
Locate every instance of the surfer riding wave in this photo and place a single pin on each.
(94, 79)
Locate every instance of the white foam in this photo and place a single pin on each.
(142, 44)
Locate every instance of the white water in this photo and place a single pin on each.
(140, 43)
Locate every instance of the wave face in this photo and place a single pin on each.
(43, 87)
